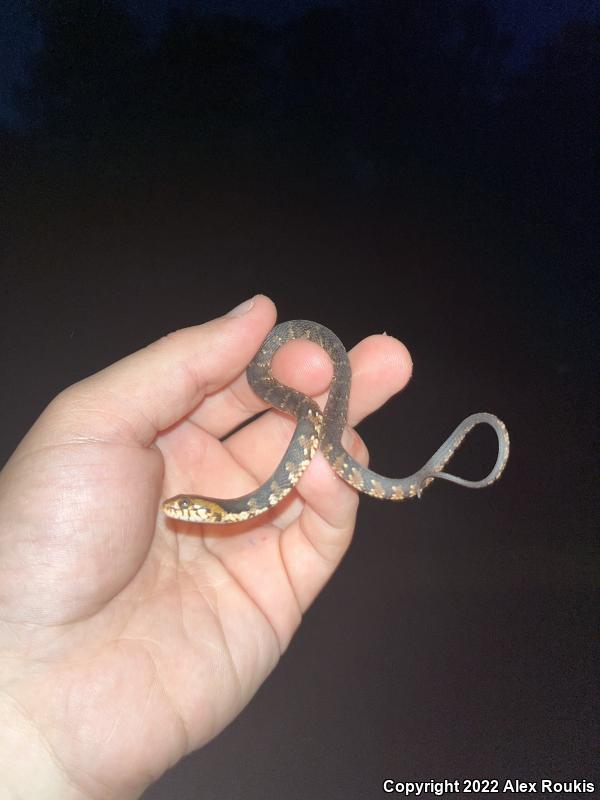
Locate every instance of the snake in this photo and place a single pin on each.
(316, 429)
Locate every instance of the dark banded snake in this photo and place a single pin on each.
(323, 429)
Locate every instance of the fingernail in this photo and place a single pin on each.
(242, 309)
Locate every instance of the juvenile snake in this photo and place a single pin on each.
(316, 429)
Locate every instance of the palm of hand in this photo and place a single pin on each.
(140, 638)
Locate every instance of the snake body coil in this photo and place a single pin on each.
(324, 429)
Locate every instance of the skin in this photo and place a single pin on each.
(128, 639)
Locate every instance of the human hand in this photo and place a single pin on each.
(128, 639)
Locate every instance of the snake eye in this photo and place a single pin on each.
(184, 502)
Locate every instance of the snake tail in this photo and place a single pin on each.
(383, 488)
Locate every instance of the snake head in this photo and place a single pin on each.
(192, 509)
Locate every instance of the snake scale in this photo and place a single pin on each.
(316, 429)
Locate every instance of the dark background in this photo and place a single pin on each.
(425, 168)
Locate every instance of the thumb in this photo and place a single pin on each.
(150, 390)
